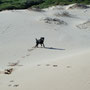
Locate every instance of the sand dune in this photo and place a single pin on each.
(64, 62)
(77, 6)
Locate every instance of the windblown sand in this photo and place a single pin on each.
(64, 63)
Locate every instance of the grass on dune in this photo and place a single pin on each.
(23, 4)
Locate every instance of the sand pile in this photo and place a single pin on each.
(78, 6)
(85, 25)
(54, 21)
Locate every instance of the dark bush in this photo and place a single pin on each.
(23, 4)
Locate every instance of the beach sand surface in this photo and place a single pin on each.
(64, 62)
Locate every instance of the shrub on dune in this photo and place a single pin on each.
(63, 14)
(54, 21)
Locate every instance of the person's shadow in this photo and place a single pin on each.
(51, 48)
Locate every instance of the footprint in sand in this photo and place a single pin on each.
(9, 85)
(12, 81)
(55, 65)
(16, 85)
(47, 64)
(12, 84)
(30, 50)
(28, 55)
(38, 65)
(8, 71)
(68, 66)
(12, 64)
(23, 56)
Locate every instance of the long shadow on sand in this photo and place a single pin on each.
(51, 48)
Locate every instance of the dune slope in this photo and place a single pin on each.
(62, 64)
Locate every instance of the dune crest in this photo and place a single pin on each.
(77, 6)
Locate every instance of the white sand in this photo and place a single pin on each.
(63, 65)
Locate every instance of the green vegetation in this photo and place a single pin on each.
(18, 4)
(48, 3)
(23, 4)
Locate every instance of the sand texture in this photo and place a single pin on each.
(64, 63)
